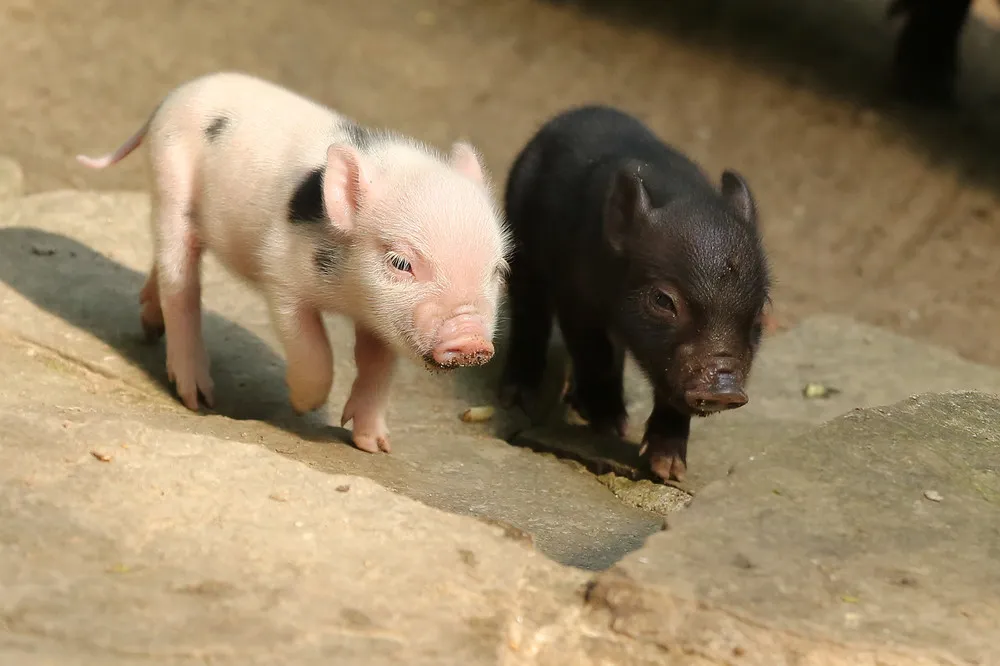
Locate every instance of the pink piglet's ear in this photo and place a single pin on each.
(345, 185)
(465, 160)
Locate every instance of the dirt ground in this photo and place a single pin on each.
(870, 209)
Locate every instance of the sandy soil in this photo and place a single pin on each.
(870, 208)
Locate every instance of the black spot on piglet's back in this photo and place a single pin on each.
(360, 137)
(216, 128)
(306, 204)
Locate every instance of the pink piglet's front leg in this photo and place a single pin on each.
(309, 358)
(369, 399)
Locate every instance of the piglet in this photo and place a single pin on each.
(318, 214)
(630, 247)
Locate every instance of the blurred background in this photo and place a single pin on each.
(872, 206)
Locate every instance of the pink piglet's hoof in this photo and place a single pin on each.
(371, 443)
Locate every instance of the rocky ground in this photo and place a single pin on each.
(134, 530)
(858, 528)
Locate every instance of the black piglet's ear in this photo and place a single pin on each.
(627, 205)
(737, 193)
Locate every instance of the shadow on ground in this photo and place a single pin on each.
(112, 298)
(844, 49)
(257, 394)
(572, 517)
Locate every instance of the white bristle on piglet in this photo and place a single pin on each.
(320, 215)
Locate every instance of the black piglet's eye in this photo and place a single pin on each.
(665, 302)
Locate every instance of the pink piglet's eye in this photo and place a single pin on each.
(400, 264)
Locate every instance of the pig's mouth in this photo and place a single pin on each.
(458, 360)
(704, 412)
(678, 401)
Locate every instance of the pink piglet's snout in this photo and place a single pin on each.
(462, 341)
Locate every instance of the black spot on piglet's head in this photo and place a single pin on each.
(696, 282)
(216, 128)
(327, 259)
(362, 138)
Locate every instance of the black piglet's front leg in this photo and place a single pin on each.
(531, 327)
(596, 390)
(665, 442)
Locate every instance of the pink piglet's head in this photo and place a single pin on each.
(427, 248)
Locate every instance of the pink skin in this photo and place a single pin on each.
(446, 316)
(178, 282)
(462, 336)
(419, 248)
(152, 314)
(308, 355)
(369, 399)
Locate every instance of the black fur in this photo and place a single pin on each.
(216, 128)
(630, 246)
(327, 259)
(362, 138)
(306, 204)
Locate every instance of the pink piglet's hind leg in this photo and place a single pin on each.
(152, 314)
(369, 399)
(178, 277)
